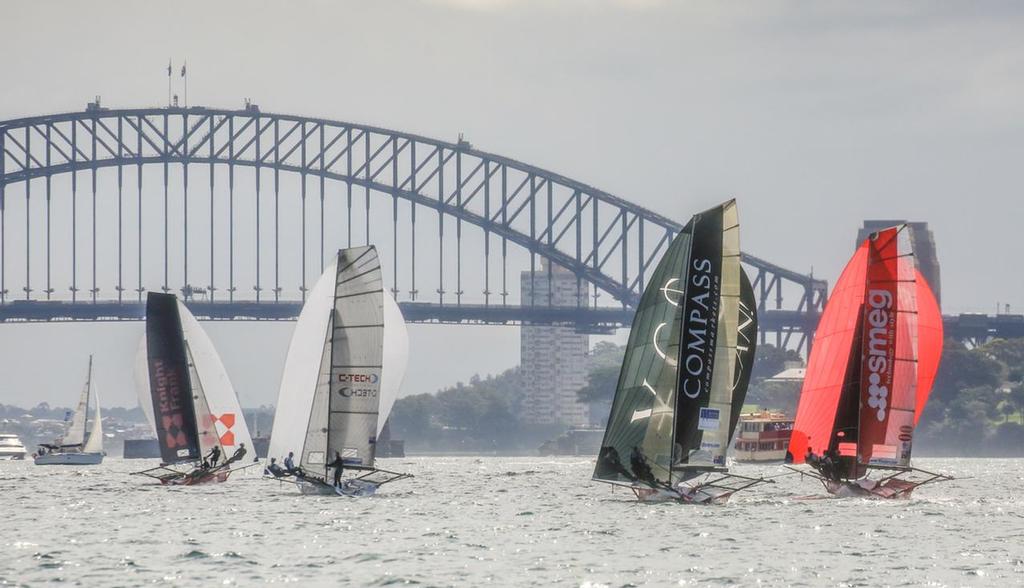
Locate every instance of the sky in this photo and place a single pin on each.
(813, 115)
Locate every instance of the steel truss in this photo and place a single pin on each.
(608, 244)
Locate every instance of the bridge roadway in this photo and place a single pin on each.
(973, 328)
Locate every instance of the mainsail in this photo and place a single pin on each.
(344, 366)
(183, 387)
(75, 435)
(687, 361)
(874, 359)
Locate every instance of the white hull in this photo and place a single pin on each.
(70, 459)
(351, 488)
(682, 494)
(12, 456)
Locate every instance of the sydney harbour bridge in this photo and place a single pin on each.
(235, 210)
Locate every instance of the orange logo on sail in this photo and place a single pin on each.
(228, 420)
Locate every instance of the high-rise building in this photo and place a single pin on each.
(924, 248)
(553, 358)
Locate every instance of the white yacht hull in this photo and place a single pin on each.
(70, 459)
(12, 456)
(351, 488)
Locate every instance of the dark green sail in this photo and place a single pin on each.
(638, 439)
(689, 352)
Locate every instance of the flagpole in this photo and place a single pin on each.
(184, 72)
(168, 83)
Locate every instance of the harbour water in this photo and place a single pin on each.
(503, 521)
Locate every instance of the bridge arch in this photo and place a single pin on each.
(606, 242)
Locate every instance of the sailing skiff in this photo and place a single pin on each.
(875, 355)
(345, 364)
(188, 399)
(685, 372)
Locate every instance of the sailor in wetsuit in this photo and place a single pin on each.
(214, 456)
(339, 467)
(640, 467)
(237, 455)
(274, 470)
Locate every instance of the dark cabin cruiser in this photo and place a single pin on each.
(345, 364)
(876, 351)
(685, 372)
(188, 399)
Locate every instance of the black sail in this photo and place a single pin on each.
(169, 384)
(700, 330)
(746, 349)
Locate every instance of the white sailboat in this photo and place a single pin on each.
(180, 379)
(74, 448)
(345, 364)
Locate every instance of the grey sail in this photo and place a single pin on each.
(357, 341)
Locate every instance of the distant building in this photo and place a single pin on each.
(553, 359)
(924, 249)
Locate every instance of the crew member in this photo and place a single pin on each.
(289, 463)
(339, 467)
(237, 455)
(214, 456)
(274, 470)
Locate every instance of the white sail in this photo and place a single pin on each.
(214, 387)
(302, 368)
(141, 377)
(76, 431)
(396, 358)
(95, 442)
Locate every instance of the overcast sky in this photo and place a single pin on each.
(813, 115)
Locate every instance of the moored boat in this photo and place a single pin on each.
(11, 447)
(762, 437)
(685, 371)
(875, 355)
(345, 364)
(74, 448)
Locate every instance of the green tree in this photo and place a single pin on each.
(1009, 352)
(601, 382)
(963, 368)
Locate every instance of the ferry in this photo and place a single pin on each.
(762, 436)
(11, 447)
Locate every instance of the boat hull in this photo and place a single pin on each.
(12, 456)
(351, 488)
(190, 480)
(890, 489)
(70, 459)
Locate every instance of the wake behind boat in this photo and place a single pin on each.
(344, 367)
(685, 372)
(188, 399)
(73, 448)
(871, 369)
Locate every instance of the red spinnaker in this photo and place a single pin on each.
(826, 368)
(929, 343)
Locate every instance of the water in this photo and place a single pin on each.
(504, 521)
